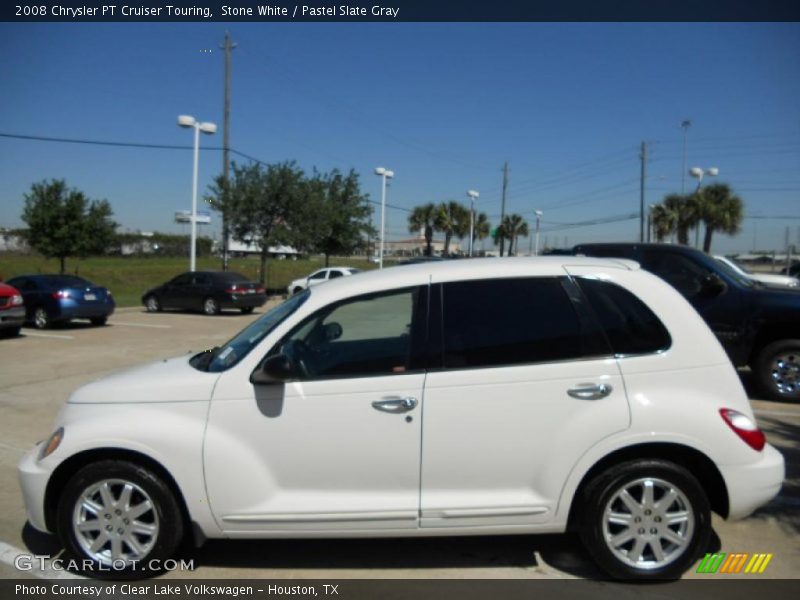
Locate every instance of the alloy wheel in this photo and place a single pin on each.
(785, 371)
(40, 318)
(648, 523)
(115, 520)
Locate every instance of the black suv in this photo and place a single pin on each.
(758, 326)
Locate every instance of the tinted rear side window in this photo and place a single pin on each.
(630, 325)
(509, 321)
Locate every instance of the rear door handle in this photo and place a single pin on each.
(591, 391)
(395, 404)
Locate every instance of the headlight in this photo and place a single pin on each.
(53, 442)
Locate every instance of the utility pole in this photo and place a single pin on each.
(643, 157)
(685, 124)
(227, 47)
(503, 207)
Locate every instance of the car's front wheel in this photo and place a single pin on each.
(777, 370)
(645, 519)
(120, 517)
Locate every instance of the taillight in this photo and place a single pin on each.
(61, 294)
(259, 290)
(16, 300)
(232, 290)
(744, 427)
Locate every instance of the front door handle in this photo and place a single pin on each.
(395, 404)
(590, 391)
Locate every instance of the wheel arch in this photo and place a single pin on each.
(782, 330)
(700, 465)
(62, 474)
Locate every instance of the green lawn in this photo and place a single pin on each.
(128, 277)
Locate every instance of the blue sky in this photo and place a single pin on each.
(443, 105)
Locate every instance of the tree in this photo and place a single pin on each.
(424, 218)
(663, 221)
(452, 219)
(264, 205)
(63, 222)
(720, 210)
(513, 227)
(481, 228)
(686, 213)
(336, 214)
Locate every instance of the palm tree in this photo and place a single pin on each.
(452, 219)
(685, 214)
(424, 218)
(720, 210)
(481, 228)
(663, 221)
(513, 227)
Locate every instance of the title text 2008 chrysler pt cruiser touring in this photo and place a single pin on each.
(486, 396)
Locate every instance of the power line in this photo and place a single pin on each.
(40, 138)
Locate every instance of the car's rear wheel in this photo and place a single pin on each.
(777, 370)
(210, 306)
(152, 304)
(99, 321)
(119, 516)
(247, 309)
(41, 320)
(645, 519)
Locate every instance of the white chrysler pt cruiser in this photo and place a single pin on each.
(486, 396)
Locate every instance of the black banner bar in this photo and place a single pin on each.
(403, 11)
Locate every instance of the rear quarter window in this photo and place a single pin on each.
(631, 327)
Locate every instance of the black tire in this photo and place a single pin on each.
(166, 514)
(99, 321)
(210, 306)
(10, 332)
(603, 492)
(151, 304)
(777, 370)
(246, 310)
(42, 320)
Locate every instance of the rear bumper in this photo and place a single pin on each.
(243, 301)
(12, 317)
(754, 485)
(85, 311)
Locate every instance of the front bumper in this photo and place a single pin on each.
(753, 485)
(33, 481)
(12, 317)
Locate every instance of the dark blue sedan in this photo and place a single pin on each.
(53, 299)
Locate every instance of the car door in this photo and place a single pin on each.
(198, 290)
(527, 385)
(337, 447)
(174, 295)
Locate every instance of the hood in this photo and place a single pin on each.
(170, 380)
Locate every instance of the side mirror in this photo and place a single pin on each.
(713, 285)
(275, 369)
(332, 331)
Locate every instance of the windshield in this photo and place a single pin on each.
(734, 274)
(225, 356)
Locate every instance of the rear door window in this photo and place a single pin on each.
(501, 322)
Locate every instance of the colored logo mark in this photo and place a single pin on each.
(736, 562)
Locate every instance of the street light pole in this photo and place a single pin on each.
(472, 195)
(698, 173)
(384, 174)
(208, 128)
(538, 214)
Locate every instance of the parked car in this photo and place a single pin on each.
(208, 291)
(52, 299)
(768, 279)
(12, 310)
(320, 276)
(758, 326)
(490, 396)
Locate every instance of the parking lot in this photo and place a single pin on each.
(40, 369)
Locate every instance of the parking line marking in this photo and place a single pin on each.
(141, 325)
(49, 335)
(9, 554)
